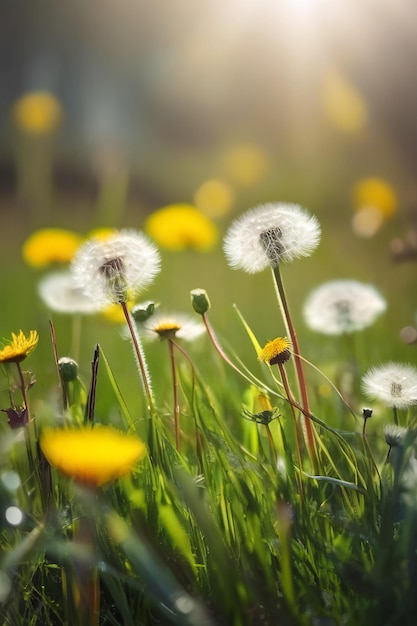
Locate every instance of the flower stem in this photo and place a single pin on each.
(137, 346)
(62, 384)
(41, 469)
(271, 444)
(22, 387)
(286, 384)
(175, 391)
(290, 329)
(220, 350)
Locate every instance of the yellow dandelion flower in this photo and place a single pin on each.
(50, 245)
(37, 113)
(114, 312)
(166, 330)
(92, 456)
(375, 193)
(181, 226)
(102, 234)
(19, 347)
(275, 351)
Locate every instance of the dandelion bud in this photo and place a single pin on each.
(68, 368)
(200, 301)
(142, 312)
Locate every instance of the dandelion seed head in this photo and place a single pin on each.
(342, 306)
(59, 294)
(395, 435)
(394, 384)
(270, 234)
(117, 268)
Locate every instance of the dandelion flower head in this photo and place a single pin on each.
(181, 226)
(58, 292)
(276, 351)
(115, 269)
(394, 384)
(395, 435)
(48, 246)
(173, 326)
(19, 347)
(270, 234)
(92, 455)
(37, 113)
(342, 306)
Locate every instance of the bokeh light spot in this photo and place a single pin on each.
(37, 113)
(214, 198)
(245, 164)
(408, 335)
(367, 221)
(11, 480)
(13, 515)
(344, 107)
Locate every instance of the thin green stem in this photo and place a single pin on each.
(308, 428)
(224, 356)
(271, 443)
(58, 369)
(42, 466)
(287, 388)
(175, 394)
(23, 391)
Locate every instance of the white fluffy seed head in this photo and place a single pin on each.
(342, 306)
(117, 268)
(58, 292)
(394, 384)
(270, 234)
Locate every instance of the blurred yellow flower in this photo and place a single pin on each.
(275, 351)
(92, 455)
(343, 105)
(114, 312)
(181, 226)
(101, 233)
(214, 198)
(376, 193)
(245, 164)
(50, 245)
(374, 201)
(19, 347)
(37, 113)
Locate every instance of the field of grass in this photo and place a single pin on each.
(232, 516)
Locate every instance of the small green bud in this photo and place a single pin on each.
(142, 312)
(200, 301)
(68, 368)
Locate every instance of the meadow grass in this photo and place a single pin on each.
(237, 518)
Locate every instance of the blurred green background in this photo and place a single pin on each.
(287, 100)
